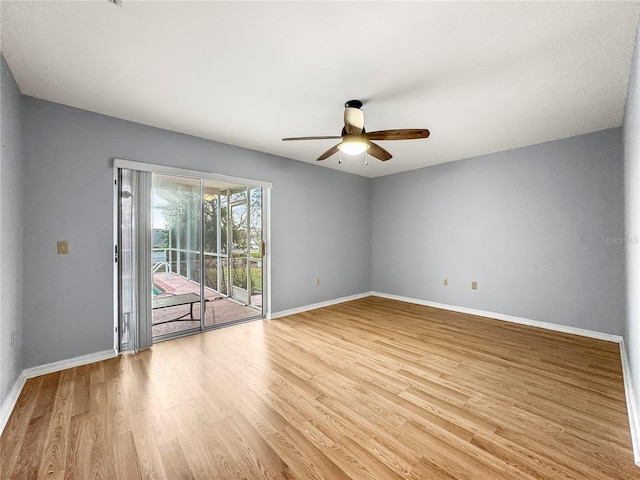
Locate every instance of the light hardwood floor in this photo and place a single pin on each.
(369, 389)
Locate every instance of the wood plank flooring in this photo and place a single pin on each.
(369, 389)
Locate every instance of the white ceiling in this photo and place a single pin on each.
(481, 76)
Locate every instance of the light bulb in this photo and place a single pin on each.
(353, 147)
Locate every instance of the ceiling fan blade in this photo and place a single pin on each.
(353, 120)
(378, 152)
(403, 134)
(329, 137)
(328, 153)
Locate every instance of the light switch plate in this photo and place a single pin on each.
(63, 247)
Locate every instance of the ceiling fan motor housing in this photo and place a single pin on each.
(353, 117)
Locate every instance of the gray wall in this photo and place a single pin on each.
(11, 237)
(320, 222)
(539, 228)
(632, 219)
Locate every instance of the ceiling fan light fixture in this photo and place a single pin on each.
(353, 147)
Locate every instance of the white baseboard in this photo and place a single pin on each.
(69, 363)
(313, 306)
(10, 402)
(507, 318)
(632, 404)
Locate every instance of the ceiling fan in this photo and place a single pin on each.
(356, 140)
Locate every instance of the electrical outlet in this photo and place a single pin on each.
(446, 282)
(474, 285)
(13, 338)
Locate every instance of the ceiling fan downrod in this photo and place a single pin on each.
(353, 104)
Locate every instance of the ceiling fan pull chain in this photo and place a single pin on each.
(366, 159)
(340, 157)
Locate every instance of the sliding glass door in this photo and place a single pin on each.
(256, 247)
(191, 255)
(177, 273)
(246, 245)
(238, 240)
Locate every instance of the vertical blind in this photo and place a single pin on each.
(135, 262)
